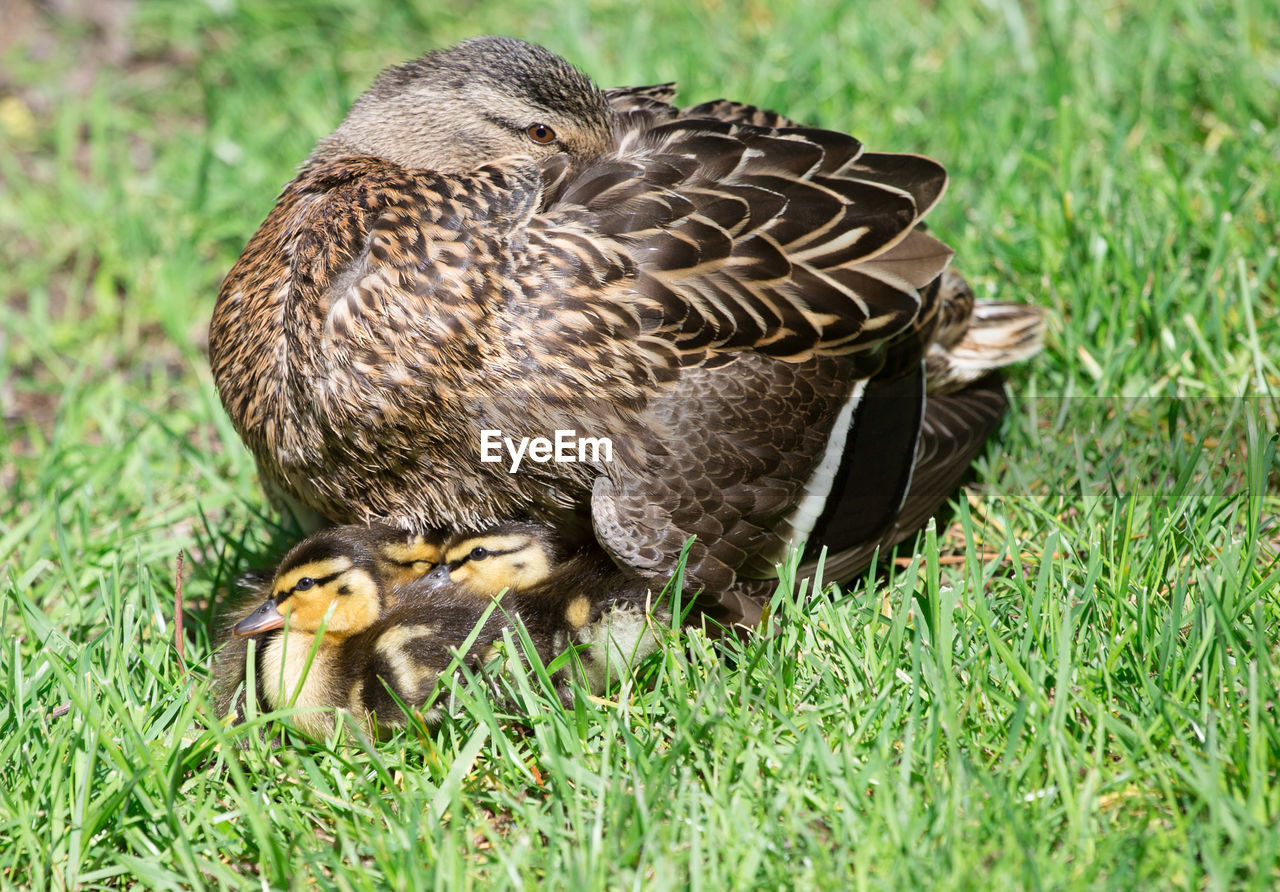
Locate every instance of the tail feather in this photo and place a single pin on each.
(998, 334)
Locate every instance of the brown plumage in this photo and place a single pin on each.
(489, 242)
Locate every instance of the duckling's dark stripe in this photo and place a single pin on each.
(488, 554)
(319, 581)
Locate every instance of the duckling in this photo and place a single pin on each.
(401, 556)
(748, 310)
(515, 555)
(564, 596)
(354, 642)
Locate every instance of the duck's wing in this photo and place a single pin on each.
(952, 433)
(756, 252)
(743, 445)
(784, 242)
(876, 469)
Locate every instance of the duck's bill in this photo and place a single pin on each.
(438, 577)
(266, 618)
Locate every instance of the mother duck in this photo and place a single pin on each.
(748, 310)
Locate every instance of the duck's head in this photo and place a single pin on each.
(511, 556)
(486, 98)
(351, 568)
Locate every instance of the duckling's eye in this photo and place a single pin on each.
(541, 134)
(303, 584)
(478, 554)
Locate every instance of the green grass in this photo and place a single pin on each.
(1088, 699)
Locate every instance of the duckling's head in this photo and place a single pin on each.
(511, 556)
(347, 568)
(486, 98)
(402, 557)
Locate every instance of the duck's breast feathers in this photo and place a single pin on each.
(418, 276)
(271, 297)
(780, 241)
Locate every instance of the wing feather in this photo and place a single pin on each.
(783, 241)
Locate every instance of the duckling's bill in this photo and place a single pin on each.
(265, 619)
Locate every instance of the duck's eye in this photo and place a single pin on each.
(303, 584)
(478, 554)
(541, 134)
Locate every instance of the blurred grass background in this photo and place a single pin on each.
(1085, 700)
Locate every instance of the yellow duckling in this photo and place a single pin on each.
(343, 627)
(521, 556)
(396, 557)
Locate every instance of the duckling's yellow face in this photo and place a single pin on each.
(486, 564)
(402, 561)
(303, 595)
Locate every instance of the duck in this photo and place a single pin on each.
(337, 633)
(513, 556)
(400, 556)
(749, 311)
(394, 557)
